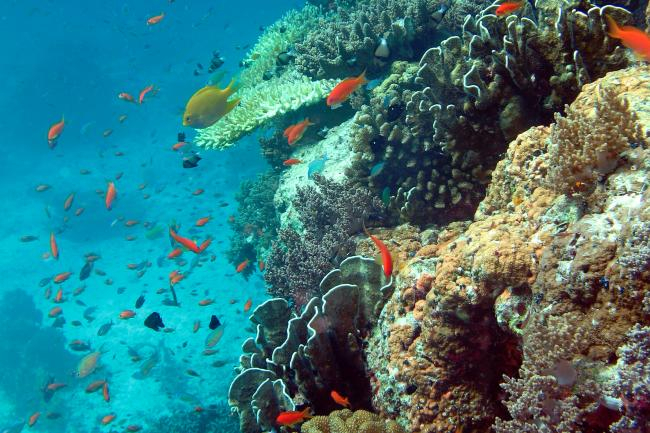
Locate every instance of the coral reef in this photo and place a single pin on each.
(346, 421)
(261, 102)
(327, 214)
(215, 418)
(256, 222)
(535, 266)
(440, 127)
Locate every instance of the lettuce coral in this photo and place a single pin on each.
(261, 103)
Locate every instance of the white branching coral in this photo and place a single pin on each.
(585, 147)
(262, 102)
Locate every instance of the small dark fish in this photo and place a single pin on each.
(214, 322)
(85, 271)
(53, 415)
(192, 373)
(100, 272)
(223, 204)
(169, 302)
(59, 322)
(44, 281)
(88, 313)
(191, 161)
(120, 290)
(103, 330)
(81, 303)
(75, 323)
(139, 301)
(154, 321)
(28, 238)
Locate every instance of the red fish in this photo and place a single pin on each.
(198, 191)
(32, 419)
(59, 296)
(635, 39)
(187, 243)
(386, 259)
(155, 19)
(59, 278)
(55, 312)
(291, 161)
(506, 8)
(111, 193)
(206, 243)
(127, 314)
(261, 264)
(55, 386)
(202, 221)
(248, 305)
(126, 97)
(54, 132)
(53, 247)
(68, 202)
(290, 418)
(94, 386)
(105, 393)
(295, 132)
(206, 302)
(178, 145)
(108, 418)
(175, 253)
(344, 89)
(339, 399)
(143, 92)
(242, 265)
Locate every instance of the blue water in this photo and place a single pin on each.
(72, 59)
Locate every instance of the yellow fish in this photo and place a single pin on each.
(88, 364)
(208, 105)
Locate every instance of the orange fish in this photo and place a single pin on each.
(295, 132)
(105, 393)
(55, 311)
(290, 418)
(386, 259)
(206, 243)
(344, 89)
(54, 132)
(175, 253)
(127, 314)
(143, 92)
(131, 223)
(175, 278)
(248, 305)
(55, 386)
(198, 191)
(635, 39)
(79, 211)
(339, 399)
(88, 364)
(68, 202)
(59, 278)
(178, 145)
(196, 326)
(261, 264)
(155, 19)
(94, 386)
(32, 419)
(291, 161)
(108, 418)
(242, 265)
(187, 243)
(111, 193)
(126, 97)
(59, 296)
(202, 221)
(53, 247)
(506, 8)
(206, 302)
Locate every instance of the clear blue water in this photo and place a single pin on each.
(73, 58)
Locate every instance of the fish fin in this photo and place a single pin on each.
(362, 78)
(231, 104)
(232, 87)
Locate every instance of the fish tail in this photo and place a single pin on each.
(613, 29)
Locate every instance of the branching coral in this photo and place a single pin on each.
(346, 421)
(551, 395)
(261, 102)
(584, 149)
(256, 222)
(329, 213)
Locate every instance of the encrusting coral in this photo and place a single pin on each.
(346, 421)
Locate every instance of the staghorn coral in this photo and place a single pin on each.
(327, 215)
(256, 222)
(584, 149)
(346, 421)
(550, 394)
(472, 94)
(632, 384)
(261, 102)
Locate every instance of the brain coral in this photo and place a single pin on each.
(346, 421)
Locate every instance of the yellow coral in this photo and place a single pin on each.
(262, 102)
(346, 421)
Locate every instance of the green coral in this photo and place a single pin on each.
(262, 102)
(346, 421)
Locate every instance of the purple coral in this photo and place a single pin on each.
(329, 212)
